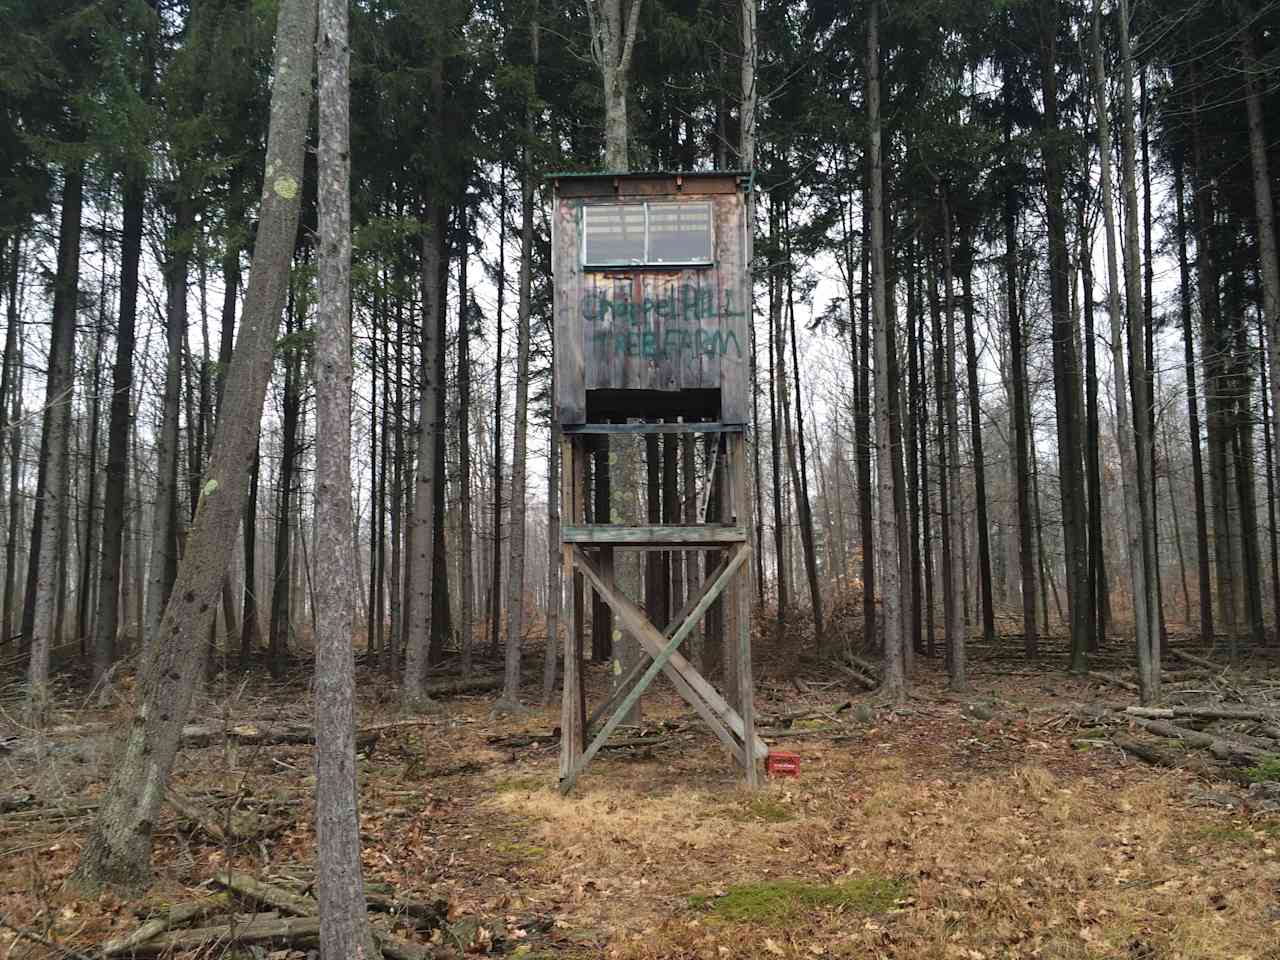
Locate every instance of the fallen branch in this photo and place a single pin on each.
(200, 735)
(1108, 678)
(447, 688)
(1198, 661)
(175, 916)
(290, 931)
(866, 666)
(24, 934)
(236, 827)
(287, 902)
(810, 732)
(856, 675)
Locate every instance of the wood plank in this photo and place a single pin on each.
(570, 355)
(734, 299)
(572, 500)
(714, 589)
(664, 537)
(666, 426)
(691, 684)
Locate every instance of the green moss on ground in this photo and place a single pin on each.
(778, 901)
(763, 808)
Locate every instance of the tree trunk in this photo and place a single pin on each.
(555, 584)
(802, 486)
(56, 447)
(1093, 477)
(344, 923)
(1149, 622)
(12, 389)
(250, 635)
(1065, 361)
(1266, 233)
(495, 576)
(118, 849)
(1214, 349)
(441, 610)
(949, 434)
(1017, 377)
(515, 575)
(165, 513)
(975, 431)
(421, 531)
(895, 682)
(1193, 411)
(464, 437)
(613, 37)
(282, 567)
(1129, 477)
(775, 430)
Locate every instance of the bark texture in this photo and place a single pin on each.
(344, 925)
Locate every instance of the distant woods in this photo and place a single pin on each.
(1015, 348)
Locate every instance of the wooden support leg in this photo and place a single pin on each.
(572, 721)
(737, 604)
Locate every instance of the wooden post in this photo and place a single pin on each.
(737, 604)
(572, 508)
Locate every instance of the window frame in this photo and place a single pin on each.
(647, 260)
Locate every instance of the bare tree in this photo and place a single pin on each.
(895, 681)
(613, 38)
(57, 439)
(344, 923)
(1128, 467)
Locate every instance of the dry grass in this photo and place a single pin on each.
(926, 836)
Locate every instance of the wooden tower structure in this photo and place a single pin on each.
(652, 292)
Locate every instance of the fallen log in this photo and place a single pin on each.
(1146, 751)
(201, 735)
(1198, 661)
(446, 688)
(866, 666)
(283, 900)
(824, 731)
(290, 931)
(1117, 681)
(1220, 747)
(1162, 758)
(175, 916)
(857, 676)
(1203, 713)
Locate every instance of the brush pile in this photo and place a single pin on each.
(1220, 723)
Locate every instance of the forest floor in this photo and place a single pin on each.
(958, 827)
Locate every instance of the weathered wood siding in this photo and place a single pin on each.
(651, 328)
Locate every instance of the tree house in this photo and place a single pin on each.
(652, 293)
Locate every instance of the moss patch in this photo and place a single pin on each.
(1266, 772)
(763, 808)
(778, 901)
(519, 852)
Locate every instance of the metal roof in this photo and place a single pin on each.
(638, 174)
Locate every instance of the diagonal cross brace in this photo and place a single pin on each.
(624, 685)
(723, 720)
(620, 604)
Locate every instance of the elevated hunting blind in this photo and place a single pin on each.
(652, 290)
